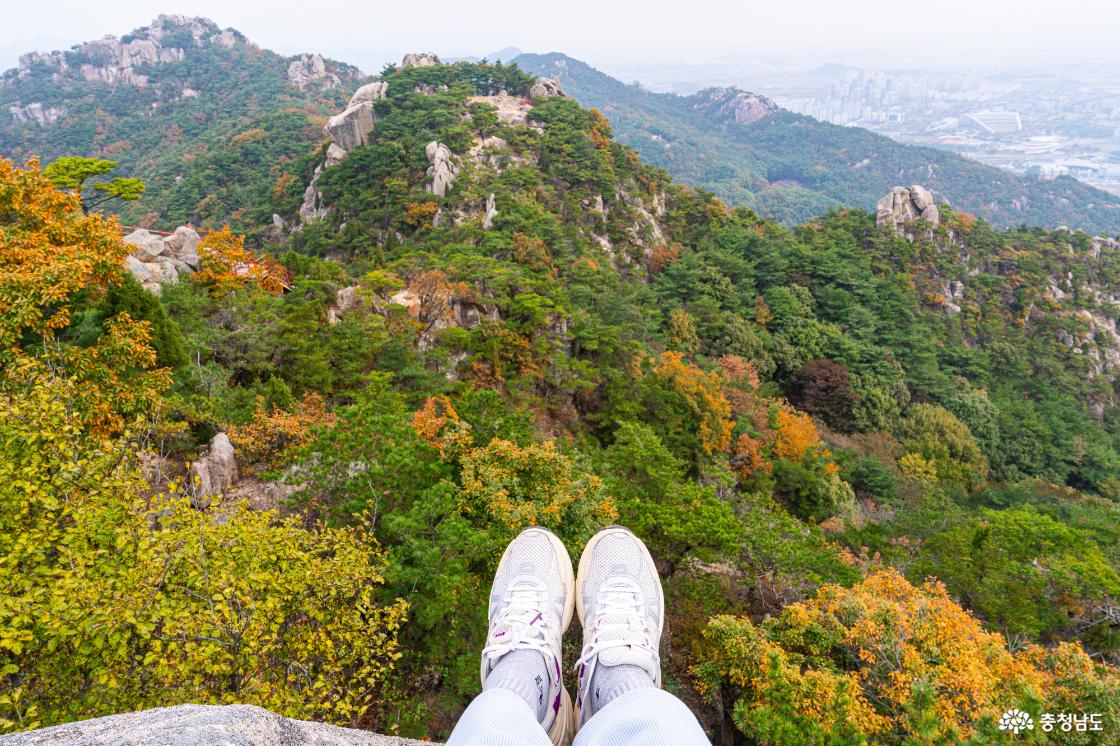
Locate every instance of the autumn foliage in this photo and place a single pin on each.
(702, 393)
(274, 433)
(227, 265)
(49, 251)
(883, 662)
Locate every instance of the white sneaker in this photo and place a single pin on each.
(621, 608)
(531, 604)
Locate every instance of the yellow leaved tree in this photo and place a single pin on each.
(114, 599)
(888, 662)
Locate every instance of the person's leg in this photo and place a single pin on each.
(524, 702)
(622, 609)
(499, 717)
(648, 716)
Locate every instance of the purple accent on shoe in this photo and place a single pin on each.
(501, 633)
(538, 616)
(556, 704)
(558, 674)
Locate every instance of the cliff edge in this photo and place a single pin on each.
(200, 725)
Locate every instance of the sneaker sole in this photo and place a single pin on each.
(585, 561)
(564, 726)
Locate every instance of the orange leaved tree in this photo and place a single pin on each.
(227, 265)
(888, 662)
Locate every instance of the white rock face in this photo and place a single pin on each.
(374, 91)
(311, 209)
(214, 472)
(443, 171)
(350, 128)
(38, 113)
(491, 212)
(148, 246)
(201, 725)
(545, 87)
(114, 61)
(156, 261)
(311, 70)
(901, 207)
(420, 59)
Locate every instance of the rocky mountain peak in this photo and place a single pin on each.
(115, 60)
(420, 59)
(734, 105)
(902, 207)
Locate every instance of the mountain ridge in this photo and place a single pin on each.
(793, 167)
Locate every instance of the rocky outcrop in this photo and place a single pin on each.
(311, 208)
(443, 170)
(733, 106)
(114, 61)
(201, 725)
(157, 260)
(347, 130)
(1098, 244)
(420, 59)
(509, 109)
(37, 113)
(902, 207)
(370, 92)
(491, 212)
(352, 126)
(213, 473)
(309, 70)
(545, 87)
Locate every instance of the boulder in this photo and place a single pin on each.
(902, 207)
(443, 171)
(350, 128)
(147, 274)
(148, 246)
(420, 59)
(182, 245)
(200, 725)
(370, 92)
(408, 299)
(159, 260)
(545, 87)
(214, 472)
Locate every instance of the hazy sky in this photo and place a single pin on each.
(620, 34)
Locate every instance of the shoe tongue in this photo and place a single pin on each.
(624, 655)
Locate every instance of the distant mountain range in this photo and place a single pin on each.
(222, 130)
(749, 151)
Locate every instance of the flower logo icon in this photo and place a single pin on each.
(1016, 721)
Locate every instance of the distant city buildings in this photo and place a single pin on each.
(1043, 125)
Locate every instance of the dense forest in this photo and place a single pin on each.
(793, 168)
(878, 468)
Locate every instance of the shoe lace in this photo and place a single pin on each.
(620, 621)
(522, 622)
